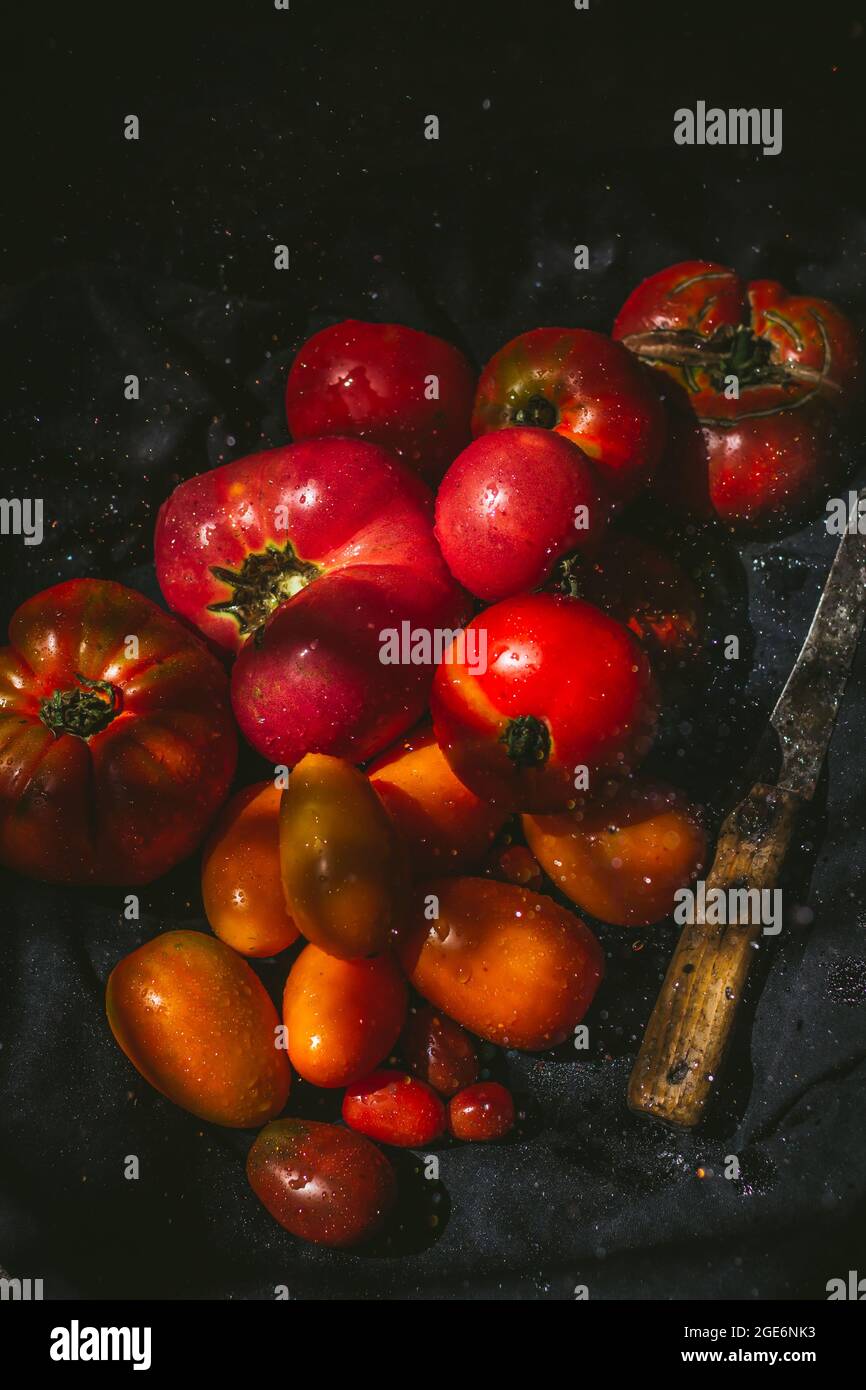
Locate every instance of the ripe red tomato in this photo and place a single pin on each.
(394, 1108)
(313, 551)
(439, 1051)
(585, 387)
(407, 391)
(116, 739)
(480, 1112)
(511, 504)
(794, 362)
(563, 687)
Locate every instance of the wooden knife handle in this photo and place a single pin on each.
(688, 1031)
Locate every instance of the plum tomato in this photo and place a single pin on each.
(240, 879)
(512, 966)
(564, 692)
(322, 1183)
(483, 1111)
(445, 827)
(622, 858)
(395, 1109)
(117, 744)
(342, 863)
(407, 391)
(511, 505)
(653, 595)
(198, 1024)
(439, 1051)
(764, 372)
(300, 559)
(583, 386)
(342, 1017)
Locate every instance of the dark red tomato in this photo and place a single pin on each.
(511, 504)
(644, 588)
(407, 391)
(321, 1182)
(564, 687)
(116, 739)
(765, 373)
(482, 1111)
(439, 1051)
(314, 550)
(585, 387)
(394, 1108)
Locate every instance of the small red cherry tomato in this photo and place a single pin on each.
(394, 1108)
(482, 1111)
(439, 1051)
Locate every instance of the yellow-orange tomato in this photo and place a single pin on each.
(342, 1017)
(342, 863)
(240, 875)
(447, 829)
(510, 965)
(198, 1024)
(623, 858)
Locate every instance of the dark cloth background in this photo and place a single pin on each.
(156, 257)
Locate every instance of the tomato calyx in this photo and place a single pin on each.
(732, 350)
(83, 711)
(266, 579)
(527, 741)
(536, 411)
(568, 576)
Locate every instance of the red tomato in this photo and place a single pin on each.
(653, 595)
(795, 362)
(439, 1051)
(511, 504)
(394, 1108)
(314, 549)
(564, 687)
(483, 1111)
(585, 387)
(116, 739)
(407, 391)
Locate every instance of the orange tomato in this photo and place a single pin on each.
(240, 876)
(198, 1024)
(446, 827)
(622, 859)
(341, 860)
(342, 1017)
(511, 966)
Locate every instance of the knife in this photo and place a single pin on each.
(685, 1040)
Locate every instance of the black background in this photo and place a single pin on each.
(260, 127)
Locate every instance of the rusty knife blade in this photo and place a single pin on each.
(807, 707)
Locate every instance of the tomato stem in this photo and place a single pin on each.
(538, 411)
(82, 711)
(733, 350)
(266, 579)
(527, 741)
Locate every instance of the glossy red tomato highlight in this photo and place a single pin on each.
(481, 1112)
(394, 1108)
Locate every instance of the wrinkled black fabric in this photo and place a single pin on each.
(158, 259)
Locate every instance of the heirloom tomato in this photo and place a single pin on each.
(300, 559)
(511, 505)
(439, 1051)
(323, 1183)
(116, 739)
(564, 691)
(511, 966)
(483, 1111)
(240, 879)
(765, 373)
(586, 388)
(394, 1108)
(394, 386)
(198, 1024)
(342, 1017)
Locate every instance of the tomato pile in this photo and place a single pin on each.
(429, 615)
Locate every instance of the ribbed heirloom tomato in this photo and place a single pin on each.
(116, 739)
(298, 559)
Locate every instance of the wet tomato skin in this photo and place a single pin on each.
(322, 1183)
(342, 1017)
(394, 1108)
(439, 1051)
(511, 966)
(341, 860)
(240, 880)
(198, 1024)
(480, 1112)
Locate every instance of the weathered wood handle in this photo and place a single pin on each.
(688, 1031)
